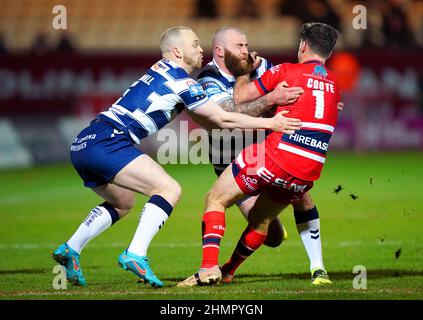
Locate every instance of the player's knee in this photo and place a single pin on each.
(211, 197)
(171, 192)
(177, 191)
(304, 204)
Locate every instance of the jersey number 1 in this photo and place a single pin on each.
(320, 103)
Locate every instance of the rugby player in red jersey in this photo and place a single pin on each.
(284, 166)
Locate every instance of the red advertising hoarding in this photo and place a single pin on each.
(382, 91)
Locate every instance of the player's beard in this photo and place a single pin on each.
(238, 66)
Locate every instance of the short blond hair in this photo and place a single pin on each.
(170, 37)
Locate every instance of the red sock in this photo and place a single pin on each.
(249, 242)
(213, 229)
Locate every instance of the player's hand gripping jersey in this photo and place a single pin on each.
(303, 153)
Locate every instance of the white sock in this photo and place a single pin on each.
(310, 234)
(98, 220)
(153, 217)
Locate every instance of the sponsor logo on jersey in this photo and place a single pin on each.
(250, 183)
(265, 174)
(219, 227)
(289, 185)
(211, 88)
(308, 139)
(195, 89)
(320, 71)
(275, 69)
(160, 65)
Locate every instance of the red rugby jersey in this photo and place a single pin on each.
(303, 153)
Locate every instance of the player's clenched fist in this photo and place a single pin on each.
(254, 60)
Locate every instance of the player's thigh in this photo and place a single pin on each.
(144, 175)
(264, 211)
(120, 198)
(305, 203)
(225, 190)
(246, 204)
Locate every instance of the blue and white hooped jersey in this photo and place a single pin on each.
(219, 85)
(154, 100)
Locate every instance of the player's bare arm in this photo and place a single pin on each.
(245, 90)
(253, 108)
(211, 116)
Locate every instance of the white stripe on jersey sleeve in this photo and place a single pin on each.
(165, 102)
(179, 85)
(195, 105)
(176, 85)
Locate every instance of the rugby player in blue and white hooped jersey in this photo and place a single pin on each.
(230, 58)
(105, 156)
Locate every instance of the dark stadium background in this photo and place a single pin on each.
(52, 80)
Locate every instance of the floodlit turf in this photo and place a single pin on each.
(381, 229)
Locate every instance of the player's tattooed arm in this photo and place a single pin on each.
(253, 108)
(244, 90)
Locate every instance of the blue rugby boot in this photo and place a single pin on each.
(69, 258)
(139, 265)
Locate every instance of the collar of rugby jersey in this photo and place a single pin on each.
(313, 61)
(229, 77)
(172, 63)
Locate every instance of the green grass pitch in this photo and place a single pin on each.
(380, 229)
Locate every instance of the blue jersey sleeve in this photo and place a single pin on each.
(193, 94)
(214, 89)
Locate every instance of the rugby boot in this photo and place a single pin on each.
(69, 258)
(203, 277)
(140, 266)
(319, 277)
